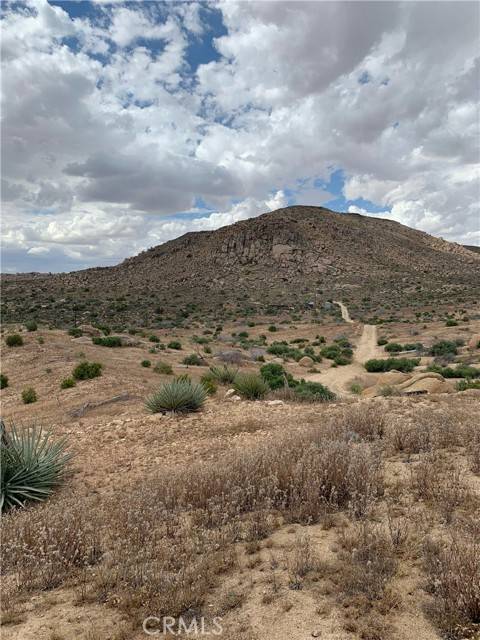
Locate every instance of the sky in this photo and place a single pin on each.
(127, 124)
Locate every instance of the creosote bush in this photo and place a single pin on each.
(146, 364)
(87, 370)
(399, 364)
(108, 341)
(175, 344)
(67, 383)
(14, 340)
(29, 395)
(193, 360)
(180, 395)
(31, 325)
(163, 368)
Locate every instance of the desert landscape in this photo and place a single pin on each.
(274, 508)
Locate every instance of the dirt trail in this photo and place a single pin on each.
(339, 378)
(344, 310)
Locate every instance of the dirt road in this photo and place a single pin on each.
(338, 379)
(344, 310)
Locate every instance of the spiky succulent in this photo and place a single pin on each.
(224, 375)
(180, 395)
(251, 386)
(33, 464)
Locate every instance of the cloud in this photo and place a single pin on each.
(106, 127)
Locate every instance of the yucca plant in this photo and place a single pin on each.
(224, 375)
(180, 395)
(33, 464)
(251, 386)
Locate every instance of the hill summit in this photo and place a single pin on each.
(284, 259)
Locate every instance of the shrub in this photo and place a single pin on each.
(3, 381)
(272, 328)
(451, 323)
(14, 340)
(276, 376)
(31, 325)
(453, 569)
(444, 348)
(399, 364)
(463, 385)
(87, 370)
(307, 391)
(29, 395)
(251, 386)
(75, 332)
(393, 347)
(146, 363)
(32, 464)
(193, 360)
(68, 383)
(224, 375)
(177, 396)
(174, 344)
(356, 388)
(382, 341)
(153, 338)
(208, 382)
(40, 340)
(108, 341)
(164, 368)
(460, 371)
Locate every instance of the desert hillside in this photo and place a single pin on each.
(286, 259)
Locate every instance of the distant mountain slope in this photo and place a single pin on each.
(281, 259)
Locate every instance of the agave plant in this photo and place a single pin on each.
(251, 386)
(33, 464)
(180, 395)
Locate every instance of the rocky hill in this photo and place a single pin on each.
(291, 259)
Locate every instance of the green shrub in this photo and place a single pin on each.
(356, 388)
(31, 325)
(460, 371)
(451, 323)
(40, 340)
(164, 368)
(275, 376)
(193, 360)
(272, 328)
(146, 363)
(208, 382)
(251, 386)
(463, 385)
(87, 370)
(307, 391)
(3, 381)
(14, 340)
(75, 332)
(341, 360)
(68, 383)
(153, 338)
(399, 364)
(444, 348)
(108, 341)
(174, 344)
(382, 341)
(393, 347)
(178, 396)
(33, 465)
(243, 334)
(29, 395)
(224, 375)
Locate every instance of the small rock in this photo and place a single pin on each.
(316, 634)
(273, 403)
(229, 393)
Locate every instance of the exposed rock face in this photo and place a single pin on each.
(281, 258)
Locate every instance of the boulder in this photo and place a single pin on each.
(88, 330)
(428, 382)
(392, 377)
(306, 362)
